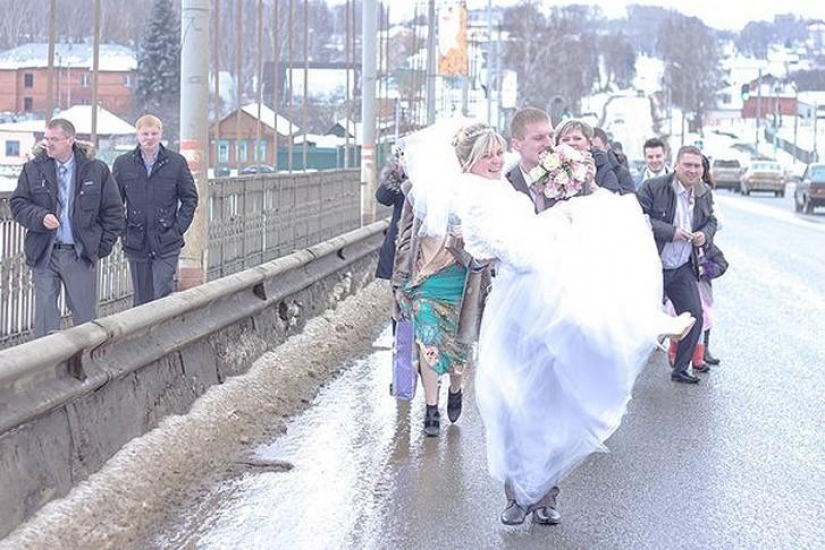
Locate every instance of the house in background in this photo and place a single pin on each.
(238, 133)
(17, 139)
(24, 71)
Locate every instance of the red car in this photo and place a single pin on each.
(810, 192)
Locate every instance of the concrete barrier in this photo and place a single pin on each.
(70, 400)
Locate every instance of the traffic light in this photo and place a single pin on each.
(746, 91)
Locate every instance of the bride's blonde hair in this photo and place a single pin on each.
(474, 141)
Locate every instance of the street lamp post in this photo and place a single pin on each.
(816, 118)
(758, 107)
(795, 119)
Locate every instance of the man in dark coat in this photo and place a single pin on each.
(160, 196)
(680, 208)
(68, 203)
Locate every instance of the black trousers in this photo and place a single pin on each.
(681, 289)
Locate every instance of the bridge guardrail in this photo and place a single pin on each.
(70, 400)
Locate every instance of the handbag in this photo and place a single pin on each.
(713, 262)
(404, 375)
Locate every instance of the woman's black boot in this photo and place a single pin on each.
(709, 359)
(453, 405)
(432, 421)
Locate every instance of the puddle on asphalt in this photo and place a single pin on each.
(344, 450)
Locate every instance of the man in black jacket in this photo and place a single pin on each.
(69, 205)
(161, 198)
(680, 208)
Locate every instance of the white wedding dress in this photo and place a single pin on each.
(573, 315)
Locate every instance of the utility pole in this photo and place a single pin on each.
(95, 72)
(431, 63)
(489, 63)
(795, 122)
(369, 16)
(816, 130)
(758, 107)
(49, 100)
(194, 133)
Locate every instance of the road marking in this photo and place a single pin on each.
(769, 212)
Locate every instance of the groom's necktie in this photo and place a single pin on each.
(539, 200)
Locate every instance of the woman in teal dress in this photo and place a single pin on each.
(430, 277)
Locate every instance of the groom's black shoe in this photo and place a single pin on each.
(513, 514)
(545, 515)
(684, 378)
(453, 405)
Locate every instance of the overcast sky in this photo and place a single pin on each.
(721, 14)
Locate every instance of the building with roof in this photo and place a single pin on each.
(17, 139)
(24, 73)
(238, 132)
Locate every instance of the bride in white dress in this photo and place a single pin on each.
(574, 312)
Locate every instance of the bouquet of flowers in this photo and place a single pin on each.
(563, 172)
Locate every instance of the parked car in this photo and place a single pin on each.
(726, 174)
(258, 169)
(810, 192)
(763, 175)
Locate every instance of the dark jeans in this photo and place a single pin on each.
(153, 278)
(680, 287)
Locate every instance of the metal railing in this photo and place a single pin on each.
(252, 219)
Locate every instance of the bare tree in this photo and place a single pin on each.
(692, 64)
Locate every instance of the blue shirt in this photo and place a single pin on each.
(148, 163)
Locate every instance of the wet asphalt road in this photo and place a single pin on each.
(735, 462)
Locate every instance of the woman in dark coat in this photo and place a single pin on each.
(389, 194)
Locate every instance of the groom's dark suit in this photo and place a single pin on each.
(516, 179)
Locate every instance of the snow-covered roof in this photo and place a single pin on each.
(268, 118)
(108, 124)
(24, 126)
(325, 141)
(112, 57)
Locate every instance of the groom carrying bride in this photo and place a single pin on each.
(558, 351)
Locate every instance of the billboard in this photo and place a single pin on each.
(452, 40)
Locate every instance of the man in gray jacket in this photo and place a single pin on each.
(68, 203)
(680, 208)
